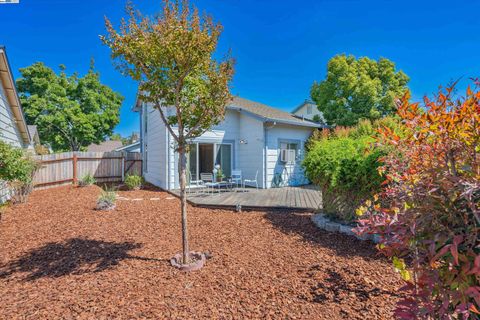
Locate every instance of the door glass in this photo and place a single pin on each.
(224, 159)
(205, 157)
(192, 162)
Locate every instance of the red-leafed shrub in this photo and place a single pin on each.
(428, 214)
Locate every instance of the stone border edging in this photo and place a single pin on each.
(326, 224)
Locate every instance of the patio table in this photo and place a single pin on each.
(219, 185)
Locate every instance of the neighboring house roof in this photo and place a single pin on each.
(269, 113)
(32, 130)
(6, 79)
(128, 147)
(303, 104)
(105, 146)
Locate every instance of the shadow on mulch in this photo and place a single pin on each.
(302, 224)
(75, 256)
(336, 288)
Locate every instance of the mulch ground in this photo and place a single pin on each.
(59, 258)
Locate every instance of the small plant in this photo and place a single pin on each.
(106, 200)
(220, 175)
(87, 180)
(133, 182)
(17, 168)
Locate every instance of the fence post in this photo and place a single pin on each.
(74, 164)
(123, 166)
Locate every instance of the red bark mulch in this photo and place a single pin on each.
(59, 258)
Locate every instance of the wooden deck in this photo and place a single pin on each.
(304, 198)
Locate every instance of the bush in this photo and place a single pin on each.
(106, 200)
(344, 163)
(87, 180)
(17, 168)
(133, 182)
(429, 212)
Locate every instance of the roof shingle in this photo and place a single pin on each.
(269, 113)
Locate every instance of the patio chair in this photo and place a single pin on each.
(193, 184)
(207, 180)
(236, 178)
(251, 181)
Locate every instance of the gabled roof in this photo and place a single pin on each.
(136, 144)
(304, 103)
(6, 80)
(105, 146)
(269, 113)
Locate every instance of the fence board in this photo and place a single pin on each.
(57, 169)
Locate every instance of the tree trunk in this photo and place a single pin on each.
(182, 169)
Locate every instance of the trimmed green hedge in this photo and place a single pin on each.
(344, 164)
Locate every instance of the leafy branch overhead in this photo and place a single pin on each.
(171, 56)
(70, 112)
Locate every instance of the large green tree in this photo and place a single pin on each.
(171, 56)
(358, 89)
(70, 112)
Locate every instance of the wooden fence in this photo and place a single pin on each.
(69, 167)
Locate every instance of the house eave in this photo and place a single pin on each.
(8, 83)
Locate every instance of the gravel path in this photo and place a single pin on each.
(60, 259)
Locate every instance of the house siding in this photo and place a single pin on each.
(154, 143)
(291, 173)
(9, 133)
(251, 155)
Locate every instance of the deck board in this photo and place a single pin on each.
(303, 197)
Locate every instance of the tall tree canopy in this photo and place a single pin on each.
(358, 89)
(70, 112)
(171, 56)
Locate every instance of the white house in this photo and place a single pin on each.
(308, 110)
(13, 128)
(259, 140)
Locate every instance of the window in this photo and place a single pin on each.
(288, 152)
(309, 109)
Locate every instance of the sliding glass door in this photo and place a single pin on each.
(224, 158)
(202, 158)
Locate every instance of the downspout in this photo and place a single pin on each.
(168, 160)
(265, 150)
(265, 155)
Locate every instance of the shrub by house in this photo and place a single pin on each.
(344, 163)
(429, 212)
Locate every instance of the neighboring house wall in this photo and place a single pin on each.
(8, 127)
(291, 173)
(9, 132)
(307, 110)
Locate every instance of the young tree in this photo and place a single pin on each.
(171, 56)
(358, 89)
(70, 112)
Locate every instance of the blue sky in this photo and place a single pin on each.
(281, 47)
